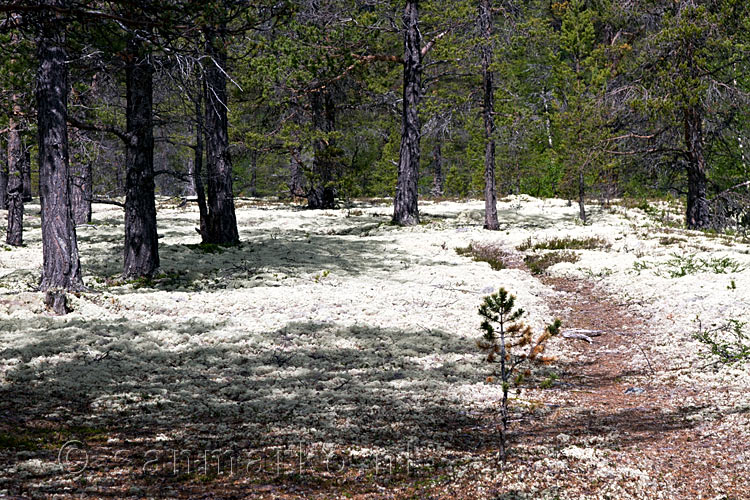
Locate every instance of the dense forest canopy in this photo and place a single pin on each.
(330, 100)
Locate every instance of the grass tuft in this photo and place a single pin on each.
(539, 263)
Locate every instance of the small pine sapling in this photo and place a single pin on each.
(510, 342)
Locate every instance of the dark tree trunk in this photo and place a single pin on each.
(488, 111)
(26, 175)
(141, 244)
(698, 216)
(222, 222)
(200, 190)
(81, 191)
(16, 158)
(437, 167)
(3, 176)
(581, 196)
(61, 267)
(322, 194)
(405, 210)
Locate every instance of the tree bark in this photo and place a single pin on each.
(322, 194)
(698, 216)
(405, 209)
(141, 257)
(222, 222)
(488, 111)
(61, 268)
(14, 187)
(200, 190)
(26, 175)
(3, 176)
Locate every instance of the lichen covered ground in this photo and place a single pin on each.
(331, 354)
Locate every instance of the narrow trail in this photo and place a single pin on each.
(608, 399)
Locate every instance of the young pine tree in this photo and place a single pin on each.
(510, 342)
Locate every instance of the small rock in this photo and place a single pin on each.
(635, 390)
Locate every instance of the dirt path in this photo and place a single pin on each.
(608, 401)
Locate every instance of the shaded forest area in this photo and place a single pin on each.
(117, 102)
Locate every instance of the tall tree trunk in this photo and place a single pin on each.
(16, 158)
(697, 205)
(222, 222)
(61, 268)
(200, 190)
(488, 78)
(405, 210)
(322, 194)
(26, 175)
(141, 245)
(437, 167)
(3, 176)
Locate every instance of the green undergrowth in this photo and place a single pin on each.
(682, 265)
(494, 255)
(567, 243)
(539, 263)
(32, 439)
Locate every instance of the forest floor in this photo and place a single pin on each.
(332, 355)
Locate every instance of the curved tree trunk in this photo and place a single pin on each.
(61, 267)
(14, 186)
(141, 244)
(698, 216)
(222, 221)
(322, 194)
(490, 189)
(405, 210)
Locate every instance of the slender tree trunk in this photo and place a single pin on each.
(222, 222)
(322, 193)
(200, 190)
(61, 268)
(697, 205)
(488, 77)
(405, 209)
(581, 195)
(16, 158)
(141, 245)
(3, 176)
(26, 175)
(437, 167)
